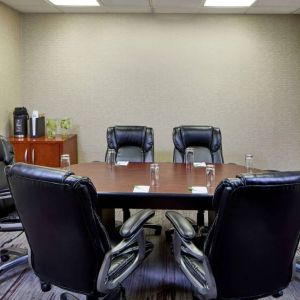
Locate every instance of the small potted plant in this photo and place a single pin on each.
(65, 125)
(51, 127)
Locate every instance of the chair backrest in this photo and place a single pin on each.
(252, 243)
(66, 238)
(6, 158)
(131, 143)
(206, 141)
(7, 205)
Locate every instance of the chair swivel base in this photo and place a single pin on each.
(12, 257)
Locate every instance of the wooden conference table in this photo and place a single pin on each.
(114, 185)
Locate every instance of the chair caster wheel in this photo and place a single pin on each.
(4, 258)
(45, 287)
(277, 295)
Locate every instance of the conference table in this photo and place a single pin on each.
(115, 184)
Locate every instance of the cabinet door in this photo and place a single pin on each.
(22, 152)
(45, 154)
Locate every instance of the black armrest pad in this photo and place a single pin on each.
(181, 225)
(135, 222)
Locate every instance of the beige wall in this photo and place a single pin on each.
(241, 73)
(10, 66)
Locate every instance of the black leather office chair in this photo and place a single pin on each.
(206, 141)
(207, 144)
(250, 249)
(133, 144)
(70, 247)
(9, 219)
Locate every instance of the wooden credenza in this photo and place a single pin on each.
(43, 151)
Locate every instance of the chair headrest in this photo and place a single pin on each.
(42, 173)
(6, 151)
(139, 136)
(272, 178)
(197, 136)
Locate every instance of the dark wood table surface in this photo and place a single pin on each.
(115, 184)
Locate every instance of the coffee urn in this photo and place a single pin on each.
(20, 122)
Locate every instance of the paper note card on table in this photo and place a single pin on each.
(199, 164)
(198, 189)
(141, 188)
(122, 163)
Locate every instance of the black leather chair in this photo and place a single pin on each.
(250, 249)
(9, 219)
(206, 141)
(133, 144)
(207, 144)
(69, 245)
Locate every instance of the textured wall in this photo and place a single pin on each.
(10, 66)
(240, 73)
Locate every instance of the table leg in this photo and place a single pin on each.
(107, 216)
(200, 218)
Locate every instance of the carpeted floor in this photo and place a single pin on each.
(158, 278)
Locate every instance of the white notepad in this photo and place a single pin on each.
(141, 188)
(122, 163)
(199, 189)
(199, 164)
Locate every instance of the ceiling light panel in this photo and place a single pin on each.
(230, 3)
(75, 2)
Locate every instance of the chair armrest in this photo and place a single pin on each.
(181, 225)
(133, 242)
(5, 195)
(135, 222)
(193, 263)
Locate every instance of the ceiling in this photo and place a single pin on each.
(157, 6)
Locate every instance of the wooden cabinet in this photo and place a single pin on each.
(43, 151)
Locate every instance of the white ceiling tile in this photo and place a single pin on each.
(177, 3)
(126, 6)
(31, 6)
(176, 6)
(37, 9)
(125, 3)
(94, 9)
(271, 10)
(131, 9)
(176, 10)
(223, 10)
(275, 3)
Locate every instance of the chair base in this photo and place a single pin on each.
(12, 257)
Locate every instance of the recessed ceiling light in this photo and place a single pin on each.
(229, 2)
(75, 2)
